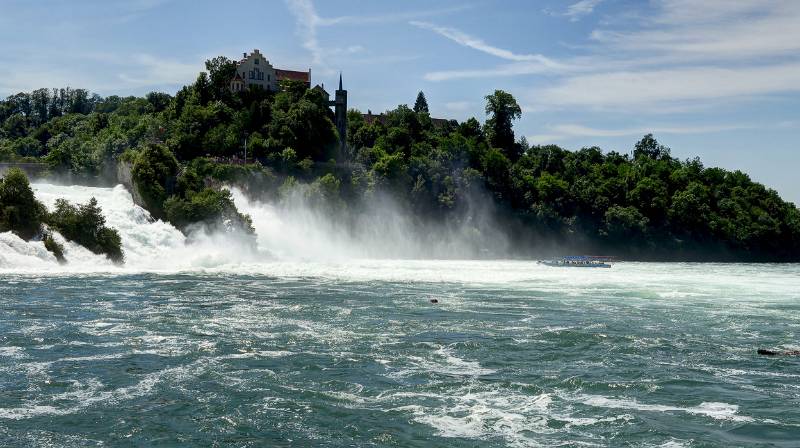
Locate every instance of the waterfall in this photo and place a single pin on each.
(289, 231)
(148, 244)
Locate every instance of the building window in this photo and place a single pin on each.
(252, 75)
(256, 61)
(268, 78)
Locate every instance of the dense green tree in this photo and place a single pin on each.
(658, 206)
(649, 147)
(421, 104)
(210, 207)
(20, 212)
(154, 171)
(86, 225)
(220, 72)
(622, 223)
(503, 110)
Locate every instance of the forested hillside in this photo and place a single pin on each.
(645, 204)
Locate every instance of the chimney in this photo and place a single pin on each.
(244, 54)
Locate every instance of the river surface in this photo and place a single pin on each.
(354, 354)
(197, 343)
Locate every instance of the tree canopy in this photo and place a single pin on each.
(421, 104)
(641, 204)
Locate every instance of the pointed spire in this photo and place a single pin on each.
(340, 80)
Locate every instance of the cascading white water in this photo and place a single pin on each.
(148, 244)
(291, 231)
(296, 241)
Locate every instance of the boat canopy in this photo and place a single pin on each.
(588, 258)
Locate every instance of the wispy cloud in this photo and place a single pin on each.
(130, 71)
(458, 106)
(149, 70)
(651, 89)
(560, 132)
(707, 52)
(475, 43)
(516, 69)
(307, 21)
(391, 17)
(580, 9)
(713, 30)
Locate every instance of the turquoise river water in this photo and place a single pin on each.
(307, 338)
(354, 354)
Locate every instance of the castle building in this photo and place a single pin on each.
(255, 71)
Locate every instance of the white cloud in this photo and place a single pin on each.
(582, 8)
(566, 131)
(516, 69)
(684, 55)
(475, 43)
(148, 70)
(392, 17)
(713, 31)
(132, 72)
(649, 89)
(307, 22)
(458, 106)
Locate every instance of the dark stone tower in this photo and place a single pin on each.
(340, 116)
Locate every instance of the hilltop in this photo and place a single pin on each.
(180, 148)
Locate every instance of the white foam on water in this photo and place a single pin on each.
(675, 443)
(443, 361)
(485, 414)
(298, 243)
(715, 410)
(13, 352)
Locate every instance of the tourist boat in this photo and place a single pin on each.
(580, 261)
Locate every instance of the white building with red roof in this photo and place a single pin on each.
(255, 71)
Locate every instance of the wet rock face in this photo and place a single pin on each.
(125, 177)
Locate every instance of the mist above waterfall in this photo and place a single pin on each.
(295, 227)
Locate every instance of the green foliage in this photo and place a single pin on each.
(53, 247)
(86, 225)
(421, 104)
(325, 192)
(20, 212)
(207, 206)
(648, 205)
(503, 109)
(153, 173)
(624, 222)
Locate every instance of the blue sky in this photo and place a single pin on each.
(713, 78)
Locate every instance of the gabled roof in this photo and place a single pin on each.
(291, 75)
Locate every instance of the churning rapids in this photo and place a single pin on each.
(304, 340)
